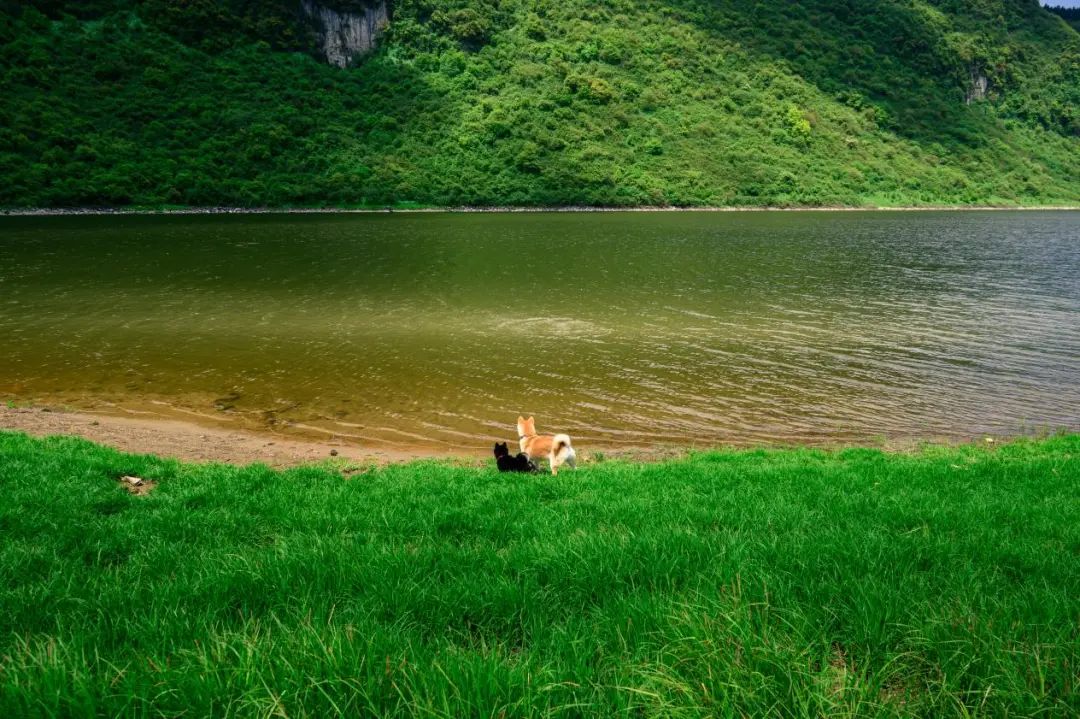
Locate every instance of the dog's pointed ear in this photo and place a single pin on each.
(520, 419)
(531, 419)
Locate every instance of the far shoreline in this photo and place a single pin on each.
(503, 209)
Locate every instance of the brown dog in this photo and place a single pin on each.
(556, 447)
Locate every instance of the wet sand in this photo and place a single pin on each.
(198, 443)
(193, 442)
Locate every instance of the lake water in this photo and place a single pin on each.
(623, 329)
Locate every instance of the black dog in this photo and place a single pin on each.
(508, 463)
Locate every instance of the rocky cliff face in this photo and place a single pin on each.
(978, 85)
(344, 36)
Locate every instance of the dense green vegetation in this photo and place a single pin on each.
(538, 102)
(733, 583)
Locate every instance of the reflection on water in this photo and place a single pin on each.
(627, 328)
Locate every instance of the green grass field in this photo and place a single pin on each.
(944, 582)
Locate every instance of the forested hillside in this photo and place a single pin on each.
(1070, 15)
(540, 102)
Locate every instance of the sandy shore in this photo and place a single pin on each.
(197, 443)
(193, 442)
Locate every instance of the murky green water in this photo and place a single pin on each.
(628, 328)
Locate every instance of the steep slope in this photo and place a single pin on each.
(537, 102)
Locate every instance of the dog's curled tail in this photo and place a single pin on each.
(562, 451)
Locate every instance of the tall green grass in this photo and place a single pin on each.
(798, 582)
